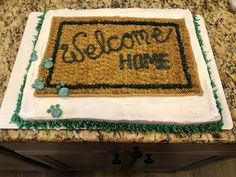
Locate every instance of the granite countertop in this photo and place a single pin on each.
(221, 26)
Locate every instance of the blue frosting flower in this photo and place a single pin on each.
(34, 56)
(38, 84)
(55, 110)
(60, 89)
(64, 91)
(47, 63)
(62, 84)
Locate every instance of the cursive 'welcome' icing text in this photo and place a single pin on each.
(127, 40)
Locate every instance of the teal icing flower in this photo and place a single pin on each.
(47, 63)
(58, 86)
(38, 84)
(34, 56)
(64, 92)
(62, 84)
(55, 110)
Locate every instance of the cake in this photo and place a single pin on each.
(119, 69)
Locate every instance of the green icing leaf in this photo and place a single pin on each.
(54, 91)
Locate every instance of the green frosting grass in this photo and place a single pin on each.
(108, 126)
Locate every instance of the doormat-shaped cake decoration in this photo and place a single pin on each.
(119, 56)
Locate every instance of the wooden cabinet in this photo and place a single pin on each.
(11, 163)
(9, 160)
(79, 161)
(168, 161)
(111, 156)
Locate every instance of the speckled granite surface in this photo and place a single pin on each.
(221, 26)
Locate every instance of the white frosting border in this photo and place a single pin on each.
(132, 109)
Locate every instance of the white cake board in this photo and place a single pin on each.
(11, 94)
